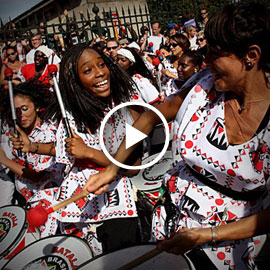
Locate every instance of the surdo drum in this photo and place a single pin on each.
(117, 259)
(54, 252)
(15, 234)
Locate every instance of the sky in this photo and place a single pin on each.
(13, 8)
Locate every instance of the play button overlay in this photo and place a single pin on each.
(133, 136)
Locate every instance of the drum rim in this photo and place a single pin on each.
(51, 236)
(18, 237)
(133, 245)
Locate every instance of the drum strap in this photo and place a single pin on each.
(236, 195)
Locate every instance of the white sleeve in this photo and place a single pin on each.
(147, 90)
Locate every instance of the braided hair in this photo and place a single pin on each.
(88, 110)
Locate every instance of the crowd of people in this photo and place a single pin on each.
(212, 79)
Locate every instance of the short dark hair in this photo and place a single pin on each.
(238, 26)
(181, 40)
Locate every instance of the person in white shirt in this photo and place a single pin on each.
(157, 38)
(133, 64)
(36, 41)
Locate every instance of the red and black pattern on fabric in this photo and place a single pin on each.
(157, 227)
(44, 203)
(189, 203)
(115, 214)
(217, 135)
(209, 159)
(81, 203)
(196, 116)
(112, 198)
(218, 218)
(257, 157)
(238, 158)
(63, 193)
(247, 258)
(72, 229)
(205, 173)
(27, 194)
(171, 184)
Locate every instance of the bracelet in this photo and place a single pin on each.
(214, 235)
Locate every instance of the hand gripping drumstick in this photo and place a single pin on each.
(156, 63)
(8, 77)
(145, 257)
(38, 215)
(52, 69)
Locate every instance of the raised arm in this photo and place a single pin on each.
(145, 123)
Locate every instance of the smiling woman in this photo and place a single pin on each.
(91, 84)
(222, 135)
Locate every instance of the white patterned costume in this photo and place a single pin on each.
(41, 192)
(82, 217)
(207, 157)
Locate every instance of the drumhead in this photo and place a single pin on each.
(151, 177)
(119, 258)
(53, 252)
(12, 224)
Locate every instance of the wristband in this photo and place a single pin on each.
(214, 235)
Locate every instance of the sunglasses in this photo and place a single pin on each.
(204, 13)
(200, 39)
(112, 48)
(9, 54)
(174, 45)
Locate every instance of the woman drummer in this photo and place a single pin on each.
(91, 84)
(34, 173)
(223, 135)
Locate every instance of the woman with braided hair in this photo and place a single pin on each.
(91, 84)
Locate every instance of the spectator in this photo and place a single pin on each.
(201, 42)
(36, 42)
(192, 36)
(178, 43)
(133, 64)
(173, 29)
(39, 69)
(18, 41)
(143, 37)
(204, 17)
(157, 38)
(13, 63)
(123, 42)
(53, 41)
(112, 47)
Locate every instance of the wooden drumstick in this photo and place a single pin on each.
(38, 215)
(143, 258)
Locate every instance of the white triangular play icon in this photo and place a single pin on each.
(133, 136)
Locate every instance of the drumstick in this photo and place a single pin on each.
(156, 63)
(38, 215)
(52, 69)
(143, 258)
(8, 76)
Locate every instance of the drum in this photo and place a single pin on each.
(52, 252)
(158, 135)
(117, 259)
(151, 177)
(14, 232)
